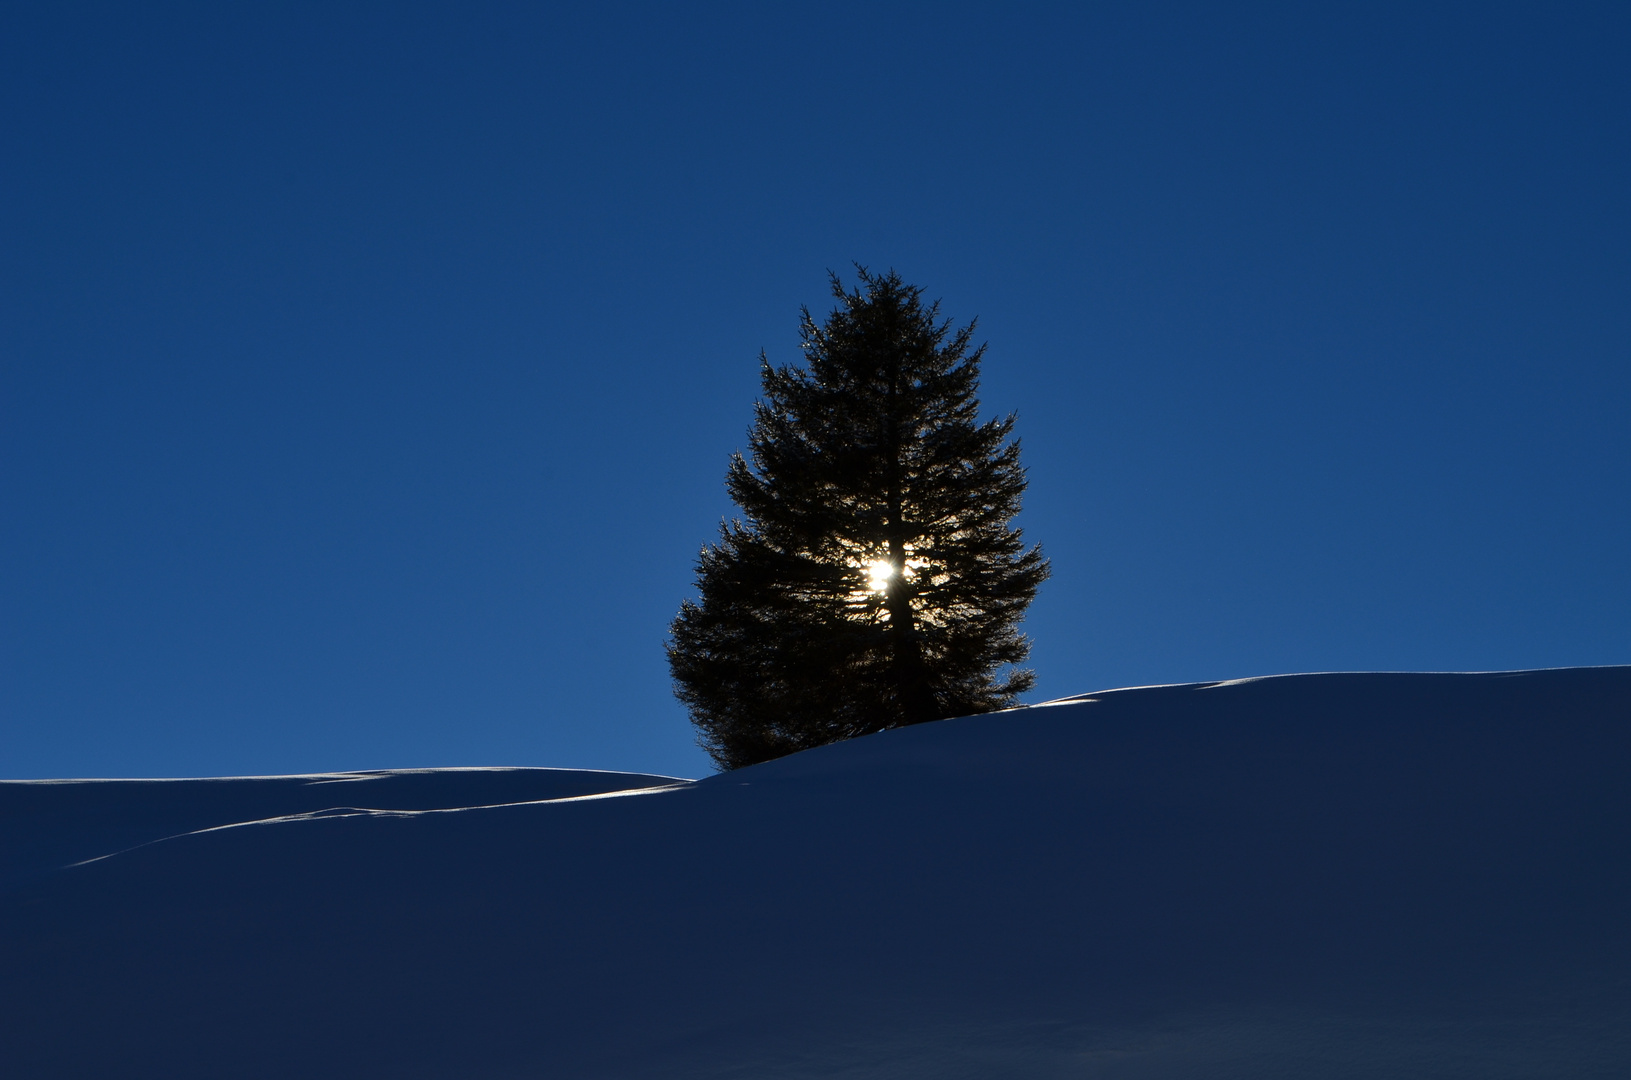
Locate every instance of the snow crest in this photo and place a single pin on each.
(1336, 875)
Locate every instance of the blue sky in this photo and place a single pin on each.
(368, 372)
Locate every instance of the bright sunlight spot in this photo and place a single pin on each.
(880, 572)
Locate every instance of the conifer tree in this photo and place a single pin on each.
(874, 579)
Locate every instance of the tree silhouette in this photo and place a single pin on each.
(874, 579)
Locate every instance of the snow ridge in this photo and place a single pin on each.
(1323, 876)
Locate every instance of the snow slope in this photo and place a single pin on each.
(1350, 875)
(47, 824)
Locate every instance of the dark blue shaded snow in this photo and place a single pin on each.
(1306, 876)
(50, 824)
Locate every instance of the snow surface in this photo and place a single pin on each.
(55, 823)
(1340, 875)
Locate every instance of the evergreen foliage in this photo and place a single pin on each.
(874, 580)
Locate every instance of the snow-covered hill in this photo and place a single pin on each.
(50, 824)
(1329, 876)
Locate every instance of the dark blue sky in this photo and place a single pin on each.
(368, 372)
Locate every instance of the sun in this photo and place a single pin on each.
(880, 572)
